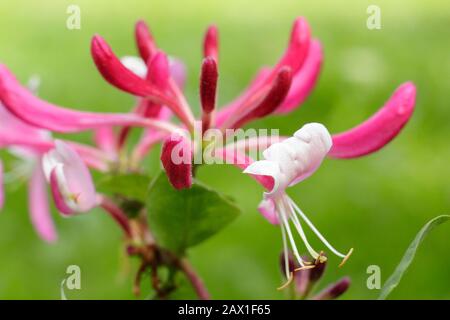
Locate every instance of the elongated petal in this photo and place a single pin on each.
(38, 206)
(41, 114)
(2, 190)
(304, 80)
(176, 158)
(298, 46)
(272, 100)
(118, 75)
(144, 40)
(211, 43)
(378, 130)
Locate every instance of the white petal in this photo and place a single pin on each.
(135, 64)
(266, 168)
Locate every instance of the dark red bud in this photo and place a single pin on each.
(208, 84)
(211, 43)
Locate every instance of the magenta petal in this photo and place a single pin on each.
(38, 206)
(113, 71)
(304, 80)
(298, 46)
(378, 130)
(58, 198)
(41, 114)
(176, 158)
(277, 93)
(2, 191)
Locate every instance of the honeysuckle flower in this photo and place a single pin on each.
(288, 163)
(70, 180)
(28, 144)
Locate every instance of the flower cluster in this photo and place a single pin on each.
(156, 81)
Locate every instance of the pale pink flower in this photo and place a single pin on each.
(289, 162)
(70, 180)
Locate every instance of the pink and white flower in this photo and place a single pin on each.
(289, 162)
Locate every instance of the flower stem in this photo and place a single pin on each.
(194, 278)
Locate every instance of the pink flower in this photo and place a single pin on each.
(29, 143)
(70, 180)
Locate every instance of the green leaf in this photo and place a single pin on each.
(132, 186)
(408, 257)
(180, 219)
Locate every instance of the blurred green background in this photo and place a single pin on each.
(375, 204)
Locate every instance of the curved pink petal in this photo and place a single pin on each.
(2, 190)
(176, 158)
(113, 71)
(297, 48)
(378, 130)
(38, 206)
(304, 80)
(58, 198)
(41, 114)
(277, 93)
(70, 179)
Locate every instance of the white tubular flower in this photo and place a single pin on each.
(289, 162)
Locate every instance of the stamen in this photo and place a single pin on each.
(321, 258)
(288, 282)
(319, 235)
(346, 257)
(305, 268)
(285, 252)
(282, 215)
(299, 228)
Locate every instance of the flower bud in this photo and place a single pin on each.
(176, 158)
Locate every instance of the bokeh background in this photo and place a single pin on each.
(376, 204)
